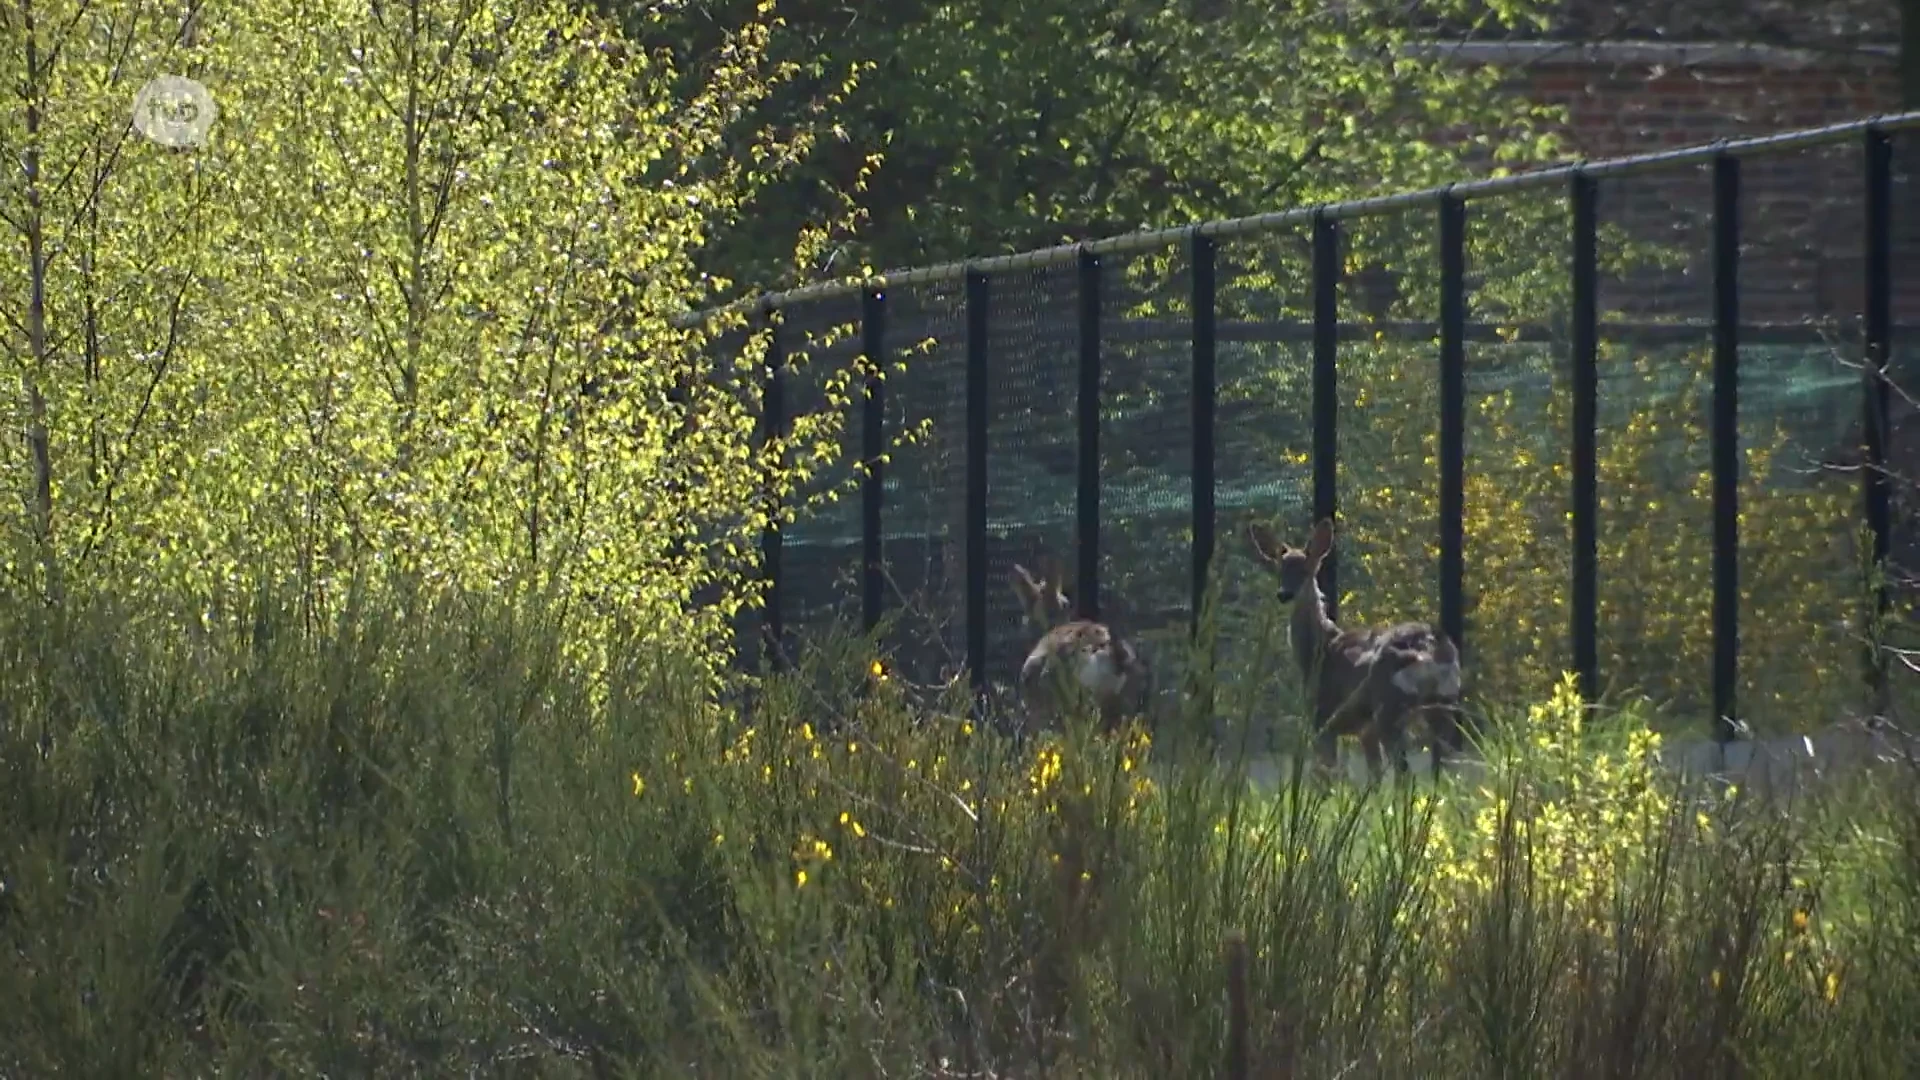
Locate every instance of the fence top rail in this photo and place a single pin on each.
(1148, 240)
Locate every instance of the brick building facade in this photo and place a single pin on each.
(1801, 211)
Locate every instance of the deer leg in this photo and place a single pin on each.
(1371, 748)
(1442, 733)
(1386, 742)
(1326, 748)
(1394, 740)
(1451, 723)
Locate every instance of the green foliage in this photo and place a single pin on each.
(436, 843)
(1800, 664)
(1008, 126)
(410, 311)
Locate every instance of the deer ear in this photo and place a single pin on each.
(1055, 574)
(1322, 541)
(1265, 544)
(1024, 586)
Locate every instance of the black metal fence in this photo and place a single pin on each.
(1624, 418)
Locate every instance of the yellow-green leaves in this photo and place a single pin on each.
(410, 307)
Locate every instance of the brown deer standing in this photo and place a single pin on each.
(1077, 655)
(1371, 682)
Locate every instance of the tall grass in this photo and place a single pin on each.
(437, 845)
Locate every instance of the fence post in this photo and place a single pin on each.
(976, 517)
(1726, 444)
(873, 449)
(773, 426)
(1453, 416)
(1086, 593)
(1201, 265)
(1585, 361)
(1876, 490)
(1326, 400)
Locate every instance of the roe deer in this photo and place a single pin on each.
(1077, 655)
(1371, 682)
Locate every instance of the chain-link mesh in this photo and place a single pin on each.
(1263, 469)
(1032, 440)
(1146, 454)
(820, 553)
(1653, 455)
(1388, 554)
(1802, 584)
(1518, 480)
(1903, 433)
(923, 526)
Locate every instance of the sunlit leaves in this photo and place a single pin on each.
(410, 308)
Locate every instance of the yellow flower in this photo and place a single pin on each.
(1832, 988)
(806, 732)
(1800, 922)
(639, 785)
(1046, 769)
(799, 879)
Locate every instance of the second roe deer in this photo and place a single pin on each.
(1077, 655)
(1372, 682)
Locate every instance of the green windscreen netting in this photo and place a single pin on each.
(1032, 390)
(820, 554)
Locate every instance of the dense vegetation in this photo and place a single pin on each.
(429, 842)
(366, 689)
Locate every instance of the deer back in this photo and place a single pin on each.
(1108, 668)
(1363, 670)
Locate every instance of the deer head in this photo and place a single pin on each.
(1297, 568)
(1043, 599)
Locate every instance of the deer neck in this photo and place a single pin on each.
(1312, 629)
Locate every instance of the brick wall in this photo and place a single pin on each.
(1637, 104)
(1801, 212)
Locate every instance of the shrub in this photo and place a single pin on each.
(438, 843)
